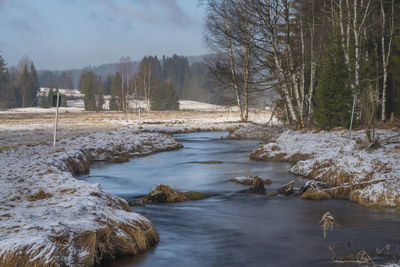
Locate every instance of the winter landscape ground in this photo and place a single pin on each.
(47, 216)
(50, 218)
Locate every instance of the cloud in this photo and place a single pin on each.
(4, 2)
(176, 13)
(20, 24)
(149, 11)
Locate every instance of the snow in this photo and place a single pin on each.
(42, 110)
(67, 92)
(329, 155)
(195, 105)
(41, 200)
(242, 179)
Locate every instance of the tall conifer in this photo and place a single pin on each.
(333, 95)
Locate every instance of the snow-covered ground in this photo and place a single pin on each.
(49, 217)
(195, 105)
(369, 176)
(67, 92)
(42, 110)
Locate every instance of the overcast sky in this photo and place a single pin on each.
(64, 34)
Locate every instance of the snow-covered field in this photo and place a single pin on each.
(49, 217)
(195, 105)
(42, 110)
(345, 167)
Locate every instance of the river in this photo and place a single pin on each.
(233, 228)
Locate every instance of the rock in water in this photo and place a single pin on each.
(165, 194)
(312, 190)
(194, 195)
(248, 180)
(257, 186)
(286, 189)
(155, 196)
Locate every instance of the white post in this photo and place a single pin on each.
(56, 122)
(352, 114)
(230, 112)
(140, 118)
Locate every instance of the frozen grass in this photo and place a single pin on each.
(48, 217)
(346, 168)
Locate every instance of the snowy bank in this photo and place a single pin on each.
(50, 218)
(343, 168)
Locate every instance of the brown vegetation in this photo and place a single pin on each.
(286, 189)
(257, 186)
(328, 222)
(164, 194)
(104, 243)
(39, 195)
(260, 154)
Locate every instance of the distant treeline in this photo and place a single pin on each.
(152, 79)
(190, 76)
(19, 86)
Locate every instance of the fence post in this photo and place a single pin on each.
(56, 121)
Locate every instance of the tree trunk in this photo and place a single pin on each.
(234, 77)
(356, 47)
(385, 55)
(246, 82)
(149, 88)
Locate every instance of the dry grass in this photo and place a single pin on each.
(315, 194)
(105, 243)
(259, 154)
(22, 259)
(286, 189)
(328, 222)
(39, 195)
(360, 257)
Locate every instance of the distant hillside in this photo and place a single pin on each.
(52, 78)
(49, 78)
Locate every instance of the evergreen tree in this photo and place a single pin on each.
(115, 92)
(44, 101)
(165, 97)
(35, 89)
(50, 97)
(333, 95)
(175, 68)
(7, 94)
(25, 84)
(64, 101)
(100, 99)
(107, 84)
(91, 85)
(394, 92)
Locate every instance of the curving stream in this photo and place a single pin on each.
(233, 228)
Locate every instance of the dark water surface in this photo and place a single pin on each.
(233, 228)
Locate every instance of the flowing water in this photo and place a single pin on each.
(233, 228)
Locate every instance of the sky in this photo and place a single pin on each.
(66, 34)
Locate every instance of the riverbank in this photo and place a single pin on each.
(342, 168)
(48, 217)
